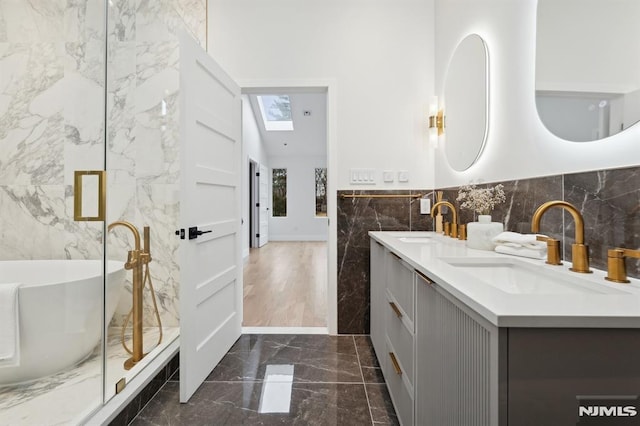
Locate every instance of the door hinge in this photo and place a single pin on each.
(180, 233)
(257, 235)
(257, 204)
(258, 174)
(120, 385)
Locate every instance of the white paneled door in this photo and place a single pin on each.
(264, 206)
(210, 256)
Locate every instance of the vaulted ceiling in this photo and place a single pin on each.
(309, 114)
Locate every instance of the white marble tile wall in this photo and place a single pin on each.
(52, 123)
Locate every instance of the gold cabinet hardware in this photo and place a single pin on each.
(396, 309)
(579, 250)
(616, 267)
(78, 177)
(394, 361)
(553, 249)
(424, 277)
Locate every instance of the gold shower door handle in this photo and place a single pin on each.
(101, 192)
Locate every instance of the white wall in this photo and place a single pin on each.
(301, 223)
(379, 53)
(518, 145)
(253, 149)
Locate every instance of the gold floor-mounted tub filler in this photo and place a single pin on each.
(138, 262)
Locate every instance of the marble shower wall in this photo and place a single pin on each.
(143, 135)
(609, 201)
(52, 115)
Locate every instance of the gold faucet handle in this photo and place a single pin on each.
(553, 249)
(454, 230)
(462, 232)
(616, 267)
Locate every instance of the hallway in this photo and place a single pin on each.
(285, 285)
(333, 380)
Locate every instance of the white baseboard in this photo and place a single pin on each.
(295, 237)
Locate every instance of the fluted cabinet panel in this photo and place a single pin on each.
(456, 362)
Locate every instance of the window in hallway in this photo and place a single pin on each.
(279, 191)
(321, 192)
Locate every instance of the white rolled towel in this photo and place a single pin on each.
(517, 240)
(522, 251)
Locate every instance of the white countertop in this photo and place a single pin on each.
(621, 309)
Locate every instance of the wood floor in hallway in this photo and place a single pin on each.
(285, 285)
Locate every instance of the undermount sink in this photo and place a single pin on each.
(415, 237)
(517, 277)
(416, 240)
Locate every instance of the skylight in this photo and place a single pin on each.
(276, 112)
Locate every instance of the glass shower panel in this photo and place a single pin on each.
(143, 167)
(52, 115)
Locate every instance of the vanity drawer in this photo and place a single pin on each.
(400, 283)
(401, 396)
(401, 338)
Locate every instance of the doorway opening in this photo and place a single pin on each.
(286, 256)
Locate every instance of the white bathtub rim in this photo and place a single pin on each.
(113, 266)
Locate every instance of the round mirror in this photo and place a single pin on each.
(466, 103)
(588, 67)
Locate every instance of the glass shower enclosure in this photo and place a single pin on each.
(88, 160)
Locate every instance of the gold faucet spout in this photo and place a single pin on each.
(577, 217)
(454, 225)
(579, 251)
(134, 231)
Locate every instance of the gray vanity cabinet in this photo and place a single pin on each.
(392, 327)
(447, 365)
(438, 357)
(456, 361)
(378, 287)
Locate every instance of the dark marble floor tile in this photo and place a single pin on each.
(372, 375)
(315, 358)
(239, 404)
(382, 411)
(365, 351)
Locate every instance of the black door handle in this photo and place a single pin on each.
(195, 233)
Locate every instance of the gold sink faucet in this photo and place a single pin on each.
(453, 230)
(616, 268)
(579, 251)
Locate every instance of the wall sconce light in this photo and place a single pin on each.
(436, 122)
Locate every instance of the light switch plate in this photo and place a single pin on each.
(387, 176)
(403, 176)
(425, 206)
(362, 176)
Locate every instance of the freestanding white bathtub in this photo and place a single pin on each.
(60, 303)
